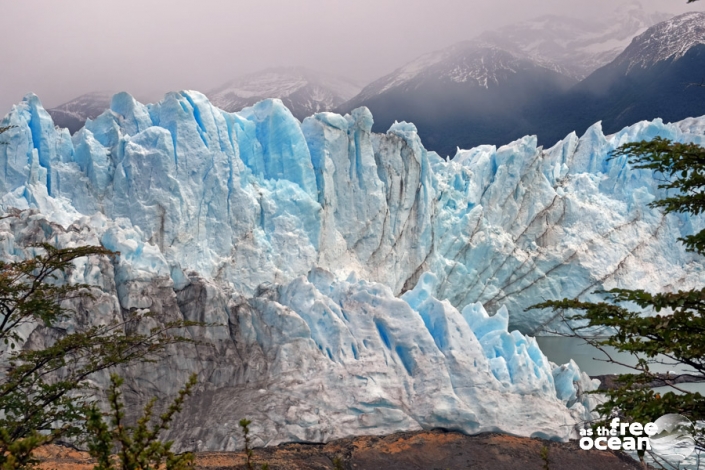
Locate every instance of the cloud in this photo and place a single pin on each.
(60, 50)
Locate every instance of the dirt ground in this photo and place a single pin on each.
(427, 450)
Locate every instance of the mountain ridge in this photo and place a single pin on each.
(73, 114)
(548, 41)
(303, 91)
(469, 94)
(670, 39)
(579, 46)
(650, 78)
(656, 64)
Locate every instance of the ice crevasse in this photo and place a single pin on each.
(324, 250)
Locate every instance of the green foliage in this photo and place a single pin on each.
(245, 425)
(670, 328)
(544, 457)
(116, 446)
(683, 166)
(44, 393)
(337, 463)
(18, 452)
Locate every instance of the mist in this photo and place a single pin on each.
(60, 50)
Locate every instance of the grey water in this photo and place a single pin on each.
(591, 360)
(561, 349)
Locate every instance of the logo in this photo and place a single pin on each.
(673, 440)
(669, 437)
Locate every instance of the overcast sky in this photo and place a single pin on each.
(60, 49)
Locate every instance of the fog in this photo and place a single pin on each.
(61, 49)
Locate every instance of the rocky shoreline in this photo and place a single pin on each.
(611, 381)
(419, 450)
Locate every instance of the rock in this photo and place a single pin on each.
(408, 450)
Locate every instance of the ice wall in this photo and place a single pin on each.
(253, 197)
(352, 273)
(316, 358)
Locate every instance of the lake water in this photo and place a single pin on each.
(591, 360)
(560, 350)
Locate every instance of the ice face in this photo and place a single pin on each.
(357, 255)
(257, 197)
(316, 358)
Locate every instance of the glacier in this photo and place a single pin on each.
(361, 284)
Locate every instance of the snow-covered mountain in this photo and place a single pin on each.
(578, 46)
(650, 78)
(522, 80)
(349, 275)
(471, 93)
(476, 63)
(73, 114)
(570, 46)
(303, 91)
(667, 41)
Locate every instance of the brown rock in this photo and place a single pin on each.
(427, 450)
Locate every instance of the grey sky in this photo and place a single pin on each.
(61, 49)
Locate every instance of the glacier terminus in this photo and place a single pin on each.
(357, 283)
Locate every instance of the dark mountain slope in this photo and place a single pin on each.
(652, 78)
(483, 92)
(471, 94)
(73, 114)
(303, 91)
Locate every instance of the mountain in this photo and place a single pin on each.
(579, 46)
(303, 91)
(469, 94)
(651, 78)
(347, 277)
(73, 114)
(491, 89)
